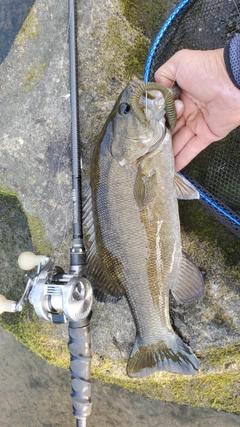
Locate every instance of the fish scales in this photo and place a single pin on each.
(137, 243)
(114, 235)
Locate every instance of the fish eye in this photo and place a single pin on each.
(124, 109)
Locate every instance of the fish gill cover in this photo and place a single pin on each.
(206, 24)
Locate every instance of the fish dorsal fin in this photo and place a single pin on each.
(190, 285)
(184, 189)
(104, 289)
(144, 187)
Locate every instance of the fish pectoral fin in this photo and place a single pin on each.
(190, 285)
(184, 189)
(145, 187)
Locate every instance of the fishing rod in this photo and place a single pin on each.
(61, 297)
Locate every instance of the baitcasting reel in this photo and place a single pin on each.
(55, 295)
(59, 297)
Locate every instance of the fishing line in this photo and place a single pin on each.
(146, 107)
(234, 1)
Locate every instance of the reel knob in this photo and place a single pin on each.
(6, 305)
(28, 260)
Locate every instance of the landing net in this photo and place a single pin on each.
(215, 172)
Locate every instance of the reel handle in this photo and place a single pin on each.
(28, 260)
(7, 305)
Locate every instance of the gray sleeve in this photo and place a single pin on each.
(232, 59)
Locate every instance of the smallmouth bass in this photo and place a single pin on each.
(132, 222)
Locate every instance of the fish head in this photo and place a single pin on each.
(132, 138)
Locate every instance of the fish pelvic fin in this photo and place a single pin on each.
(172, 355)
(185, 189)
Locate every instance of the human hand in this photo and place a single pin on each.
(211, 101)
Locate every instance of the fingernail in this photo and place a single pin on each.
(179, 105)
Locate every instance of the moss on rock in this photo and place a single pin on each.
(37, 230)
(219, 390)
(29, 29)
(136, 56)
(39, 336)
(223, 359)
(124, 53)
(38, 235)
(196, 219)
(145, 15)
(33, 75)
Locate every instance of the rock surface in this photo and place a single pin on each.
(42, 398)
(35, 168)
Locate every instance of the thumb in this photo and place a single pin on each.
(166, 74)
(179, 107)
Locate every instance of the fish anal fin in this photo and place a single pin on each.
(172, 355)
(184, 189)
(144, 187)
(189, 286)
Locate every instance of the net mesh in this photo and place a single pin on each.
(206, 24)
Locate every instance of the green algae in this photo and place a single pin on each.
(121, 53)
(223, 358)
(5, 191)
(136, 57)
(29, 29)
(216, 390)
(33, 75)
(219, 391)
(195, 219)
(38, 235)
(126, 54)
(37, 231)
(145, 15)
(38, 335)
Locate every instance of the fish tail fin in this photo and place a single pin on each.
(171, 355)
